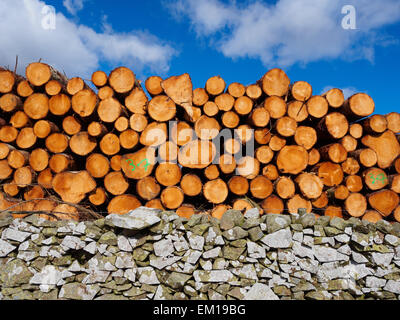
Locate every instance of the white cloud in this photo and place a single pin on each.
(73, 6)
(289, 31)
(76, 49)
(347, 92)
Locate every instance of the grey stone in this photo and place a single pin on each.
(326, 254)
(212, 254)
(252, 213)
(138, 219)
(382, 259)
(307, 220)
(163, 248)
(196, 242)
(78, 291)
(260, 291)
(96, 276)
(5, 248)
(235, 233)
(374, 282)
(15, 273)
(213, 276)
(123, 244)
(278, 239)
(162, 262)
(124, 261)
(302, 251)
(177, 280)
(392, 286)
(277, 222)
(71, 242)
(49, 277)
(147, 275)
(255, 251)
(15, 235)
(230, 219)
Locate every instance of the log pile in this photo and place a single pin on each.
(69, 148)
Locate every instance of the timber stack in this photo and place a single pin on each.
(68, 149)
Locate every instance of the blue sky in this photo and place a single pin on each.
(238, 40)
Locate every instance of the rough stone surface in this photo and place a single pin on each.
(149, 254)
(138, 219)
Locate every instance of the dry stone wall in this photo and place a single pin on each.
(150, 254)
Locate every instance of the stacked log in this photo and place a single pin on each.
(69, 148)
